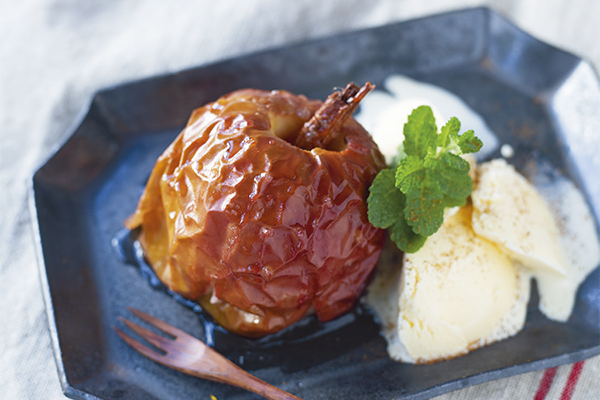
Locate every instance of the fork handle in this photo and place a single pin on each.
(244, 380)
(253, 384)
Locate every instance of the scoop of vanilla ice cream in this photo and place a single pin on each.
(550, 231)
(581, 247)
(507, 210)
(457, 293)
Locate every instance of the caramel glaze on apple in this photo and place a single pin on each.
(257, 229)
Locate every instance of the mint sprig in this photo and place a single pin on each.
(430, 176)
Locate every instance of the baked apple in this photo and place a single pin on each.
(258, 210)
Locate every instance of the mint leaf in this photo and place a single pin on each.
(449, 133)
(420, 132)
(455, 162)
(404, 237)
(385, 202)
(469, 143)
(453, 185)
(451, 174)
(424, 210)
(410, 173)
(428, 176)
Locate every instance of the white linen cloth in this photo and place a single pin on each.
(54, 54)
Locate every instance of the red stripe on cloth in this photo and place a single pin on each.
(545, 384)
(572, 381)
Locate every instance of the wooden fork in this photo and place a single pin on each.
(191, 356)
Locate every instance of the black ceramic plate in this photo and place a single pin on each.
(535, 97)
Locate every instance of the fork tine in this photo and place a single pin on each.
(163, 326)
(159, 341)
(193, 357)
(148, 352)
